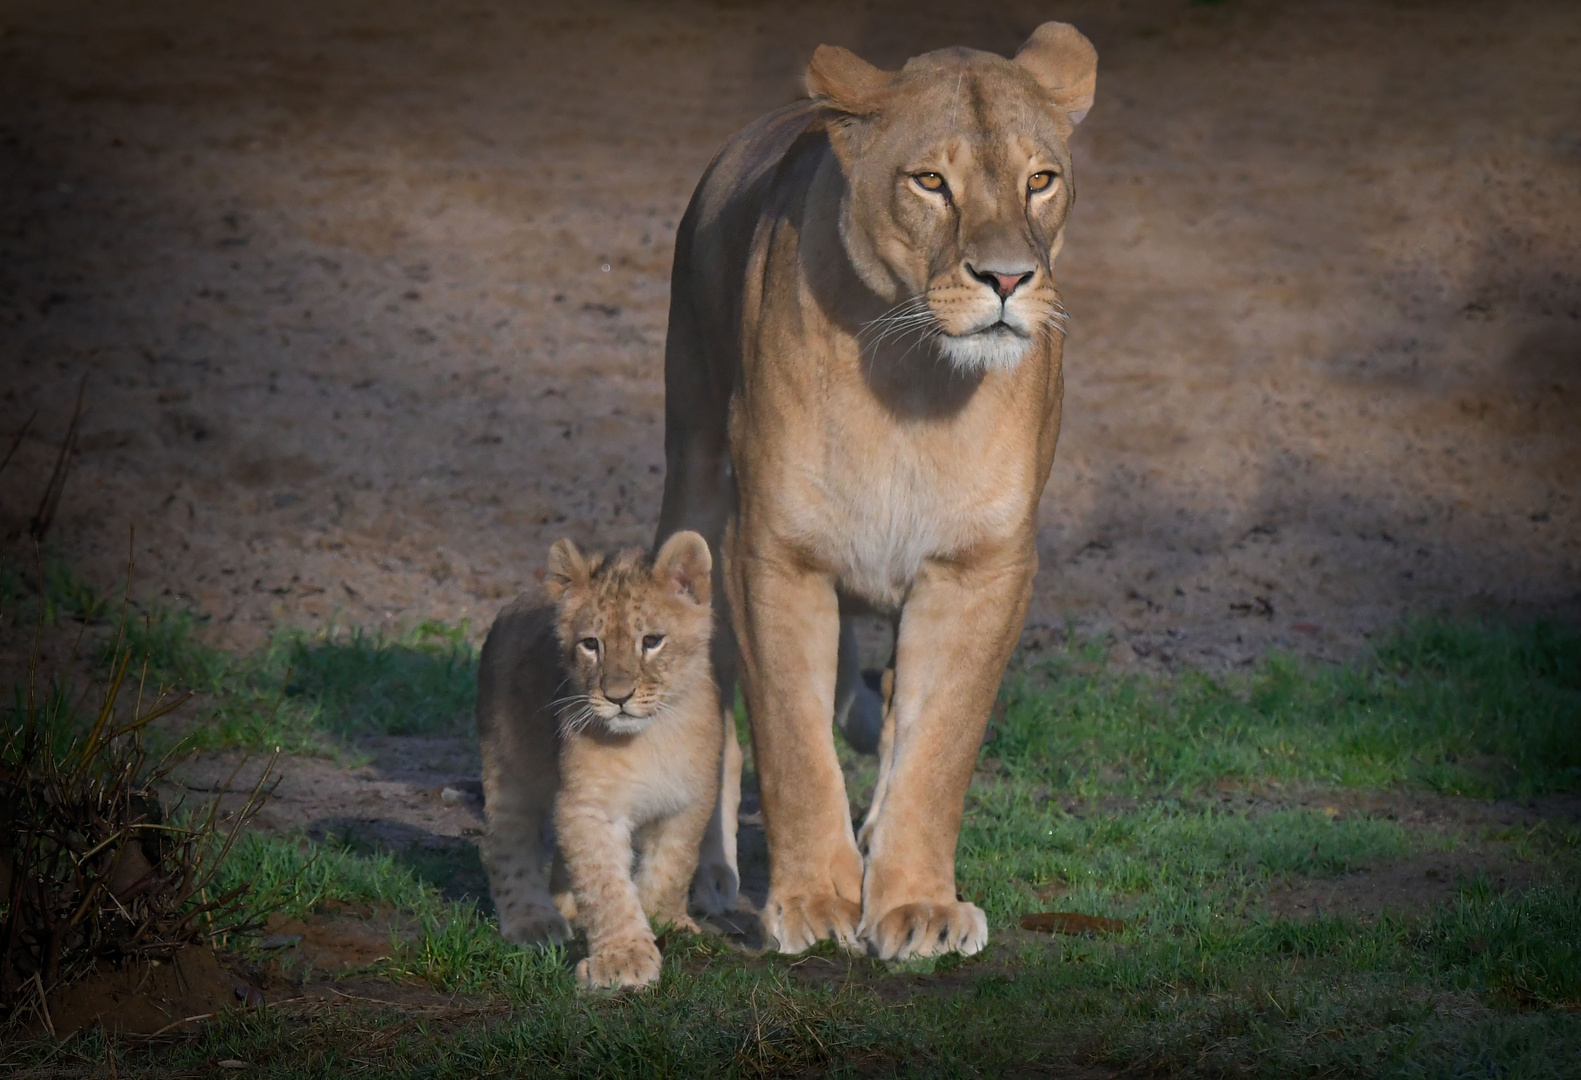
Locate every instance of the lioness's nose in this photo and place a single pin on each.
(1002, 282)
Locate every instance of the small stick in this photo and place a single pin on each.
(178, 1023)
(17, 442)
(43, 1006)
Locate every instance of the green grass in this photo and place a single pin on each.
(1461, 708)
(1176, 804)
(1475, 988)
(422, 682)
(306, 692)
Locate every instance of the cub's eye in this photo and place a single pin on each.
(1040, 181)
(929, 181)
(589, 645)
(651, 642)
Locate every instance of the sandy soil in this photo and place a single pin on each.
(371, 297)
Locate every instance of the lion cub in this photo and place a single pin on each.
(599, 725)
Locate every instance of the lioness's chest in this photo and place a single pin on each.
(876, 505)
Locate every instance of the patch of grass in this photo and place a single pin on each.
(308, 692)
(1465, 709)
(1159, 801)
(94, 870)
(302, 692)
(422, 682)
(45, 588)
(294, 877)
(1525, 946)
(1238, 994)
(1176, 864)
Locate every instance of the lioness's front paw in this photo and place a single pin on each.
(926, 929)
(631, 962)
(533, 924)
(714, 888)
(794, 924)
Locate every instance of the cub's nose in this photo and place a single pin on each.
(618, 693)
(1003, 282)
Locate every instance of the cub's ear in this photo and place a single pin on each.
(568, 568)
(843, 80)
(1065, 65)
(684, 563)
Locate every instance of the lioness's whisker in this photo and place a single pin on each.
(898, 322)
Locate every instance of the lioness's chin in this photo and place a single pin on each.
(998, 347)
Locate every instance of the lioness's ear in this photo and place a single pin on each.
(684, 563)
(567, 568)
(843, 80)
(1065, 64)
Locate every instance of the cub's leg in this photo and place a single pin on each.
(668, 859)
(517, 855)
(516, 734)
(956, 634)
(788, 627)
(620, 944)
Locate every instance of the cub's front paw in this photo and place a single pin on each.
(533, 924)
(714, 887)
(926, 928)
(794, 924)
(618, 965)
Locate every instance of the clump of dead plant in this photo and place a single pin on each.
(93, 868)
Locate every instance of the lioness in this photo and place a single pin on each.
(863, 389)
(599, 726)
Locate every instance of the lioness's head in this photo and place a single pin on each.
(633, 633)
(958, 180)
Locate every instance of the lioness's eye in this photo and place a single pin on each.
(929, 181)
(590, 644)
(651, 642)
(1040, 181)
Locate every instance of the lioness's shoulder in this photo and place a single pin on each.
(752, 155)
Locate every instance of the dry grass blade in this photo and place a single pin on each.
(57, 477)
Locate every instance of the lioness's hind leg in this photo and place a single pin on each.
(717, 880)
(858, 708)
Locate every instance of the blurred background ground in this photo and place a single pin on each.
(371, 299)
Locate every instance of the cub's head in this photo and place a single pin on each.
(958, 183)
(633, 633)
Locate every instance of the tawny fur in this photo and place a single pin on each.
(863, 385)
(598, 721)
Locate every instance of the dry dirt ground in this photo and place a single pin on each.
(371, 298)
(370, 302)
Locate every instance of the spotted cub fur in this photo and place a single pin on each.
(599, 725)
